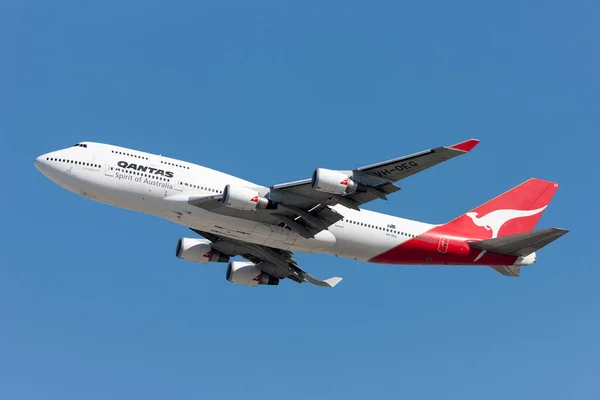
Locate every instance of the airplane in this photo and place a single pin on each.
(322, 214)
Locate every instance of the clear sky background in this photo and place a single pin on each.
(95, 305)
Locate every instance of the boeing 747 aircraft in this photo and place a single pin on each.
(322, 214)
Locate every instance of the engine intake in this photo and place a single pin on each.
(245, 199)
(246, 273)
(332, 182)
(199, 250)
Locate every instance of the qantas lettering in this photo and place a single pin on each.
(143, 168)
(400, 167)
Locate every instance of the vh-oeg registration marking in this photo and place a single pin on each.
(400, 167)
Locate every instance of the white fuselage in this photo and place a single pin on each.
(96, 171)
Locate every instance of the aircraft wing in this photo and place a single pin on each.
(308, 211)
(378, 178)
(275, 262)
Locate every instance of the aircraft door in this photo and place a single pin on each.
(177, 183)
(443, 245)
(109, 169)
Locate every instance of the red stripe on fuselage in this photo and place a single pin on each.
(515, 211)
(428, 249)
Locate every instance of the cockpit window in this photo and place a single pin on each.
(80, 145)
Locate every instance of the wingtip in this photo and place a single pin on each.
(466, 146)
(333, 281)
(544, 181)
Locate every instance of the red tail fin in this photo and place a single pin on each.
(515, 211)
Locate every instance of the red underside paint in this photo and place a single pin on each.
(456, 252)
(514, 211)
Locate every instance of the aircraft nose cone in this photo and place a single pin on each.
(39, 163)
(42, 164)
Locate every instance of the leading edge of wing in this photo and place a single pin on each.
(462, 147)
(292, 184)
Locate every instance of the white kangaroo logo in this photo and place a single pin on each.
(493, 221)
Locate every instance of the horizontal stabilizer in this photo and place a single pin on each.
(520, 244)
(507, 270)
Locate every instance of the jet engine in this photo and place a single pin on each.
(199, 250)
(246, 273)
(244, 198)
(332, 182)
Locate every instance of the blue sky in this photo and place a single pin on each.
(93, 302)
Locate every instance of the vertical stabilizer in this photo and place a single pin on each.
(515, 211)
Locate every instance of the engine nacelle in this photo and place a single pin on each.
(243, 198)
(246, 273)
(199, 250)
(332, 182)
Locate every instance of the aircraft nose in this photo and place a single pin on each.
(39, 162)
(42, 163)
